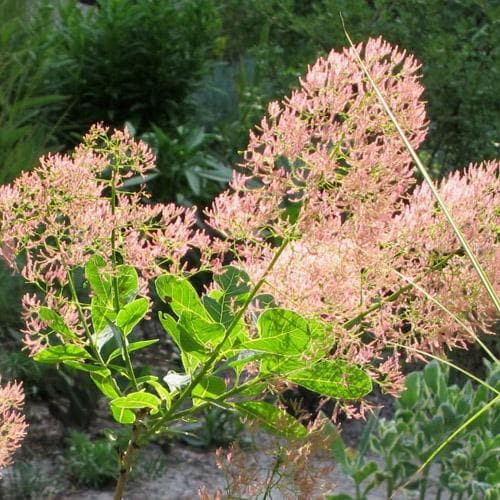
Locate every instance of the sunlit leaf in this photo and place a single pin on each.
(333, 378)
(131, 314)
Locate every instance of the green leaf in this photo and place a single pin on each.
(87, 367)
(281, 332)
(122, 415)
(432, 374)
(218, 309)
(59, 353)
(99, 281)
(101, 313)
(104, 336)
(160, 390)
(206, 332)
(104, 384)
(127, 283)
(209, 387)
(333, 378)
(192, 352)
(56, 322)
(131, 314)
(271, 418)
(234, 282)
(134, 346)
(180, 294)
(137, 400)
(221, 304)
(410, 396)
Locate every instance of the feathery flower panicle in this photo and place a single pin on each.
(12, 422)
(421, 237)
(60, 214)
(330, 158)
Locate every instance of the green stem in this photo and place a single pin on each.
(114, 281)
(88, 333)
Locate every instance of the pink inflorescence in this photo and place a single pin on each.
(331, 151)
(60, 214)
(12, 422)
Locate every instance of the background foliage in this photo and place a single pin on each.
(192, 76)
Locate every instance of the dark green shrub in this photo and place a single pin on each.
(25, 52)
(457, 41)
(91, 463)
(124, 60)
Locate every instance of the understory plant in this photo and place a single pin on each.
(329, 265)
(428, 411)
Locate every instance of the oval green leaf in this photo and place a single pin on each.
(271, 418)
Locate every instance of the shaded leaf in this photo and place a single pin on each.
(134, 346)
(272, 418)
(59, 353)
(56, 322)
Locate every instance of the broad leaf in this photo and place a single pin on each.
(333, 378)
(104, 384)
(56, 322)
(192, 352)
(101, 312)
(281, 332)
(271, 418)
(131, 314)
(160, 390)
(209, 387)
(59, 353)
(180, 294)
(98, 278)
(122, 415)
(127, 283)
(137, 400)
(134, 346)
(87, 367)
(234, 282)
(206, 332)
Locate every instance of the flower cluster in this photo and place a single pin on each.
(326, 173)
(72, 207)
(12, 422)
(327, 170)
